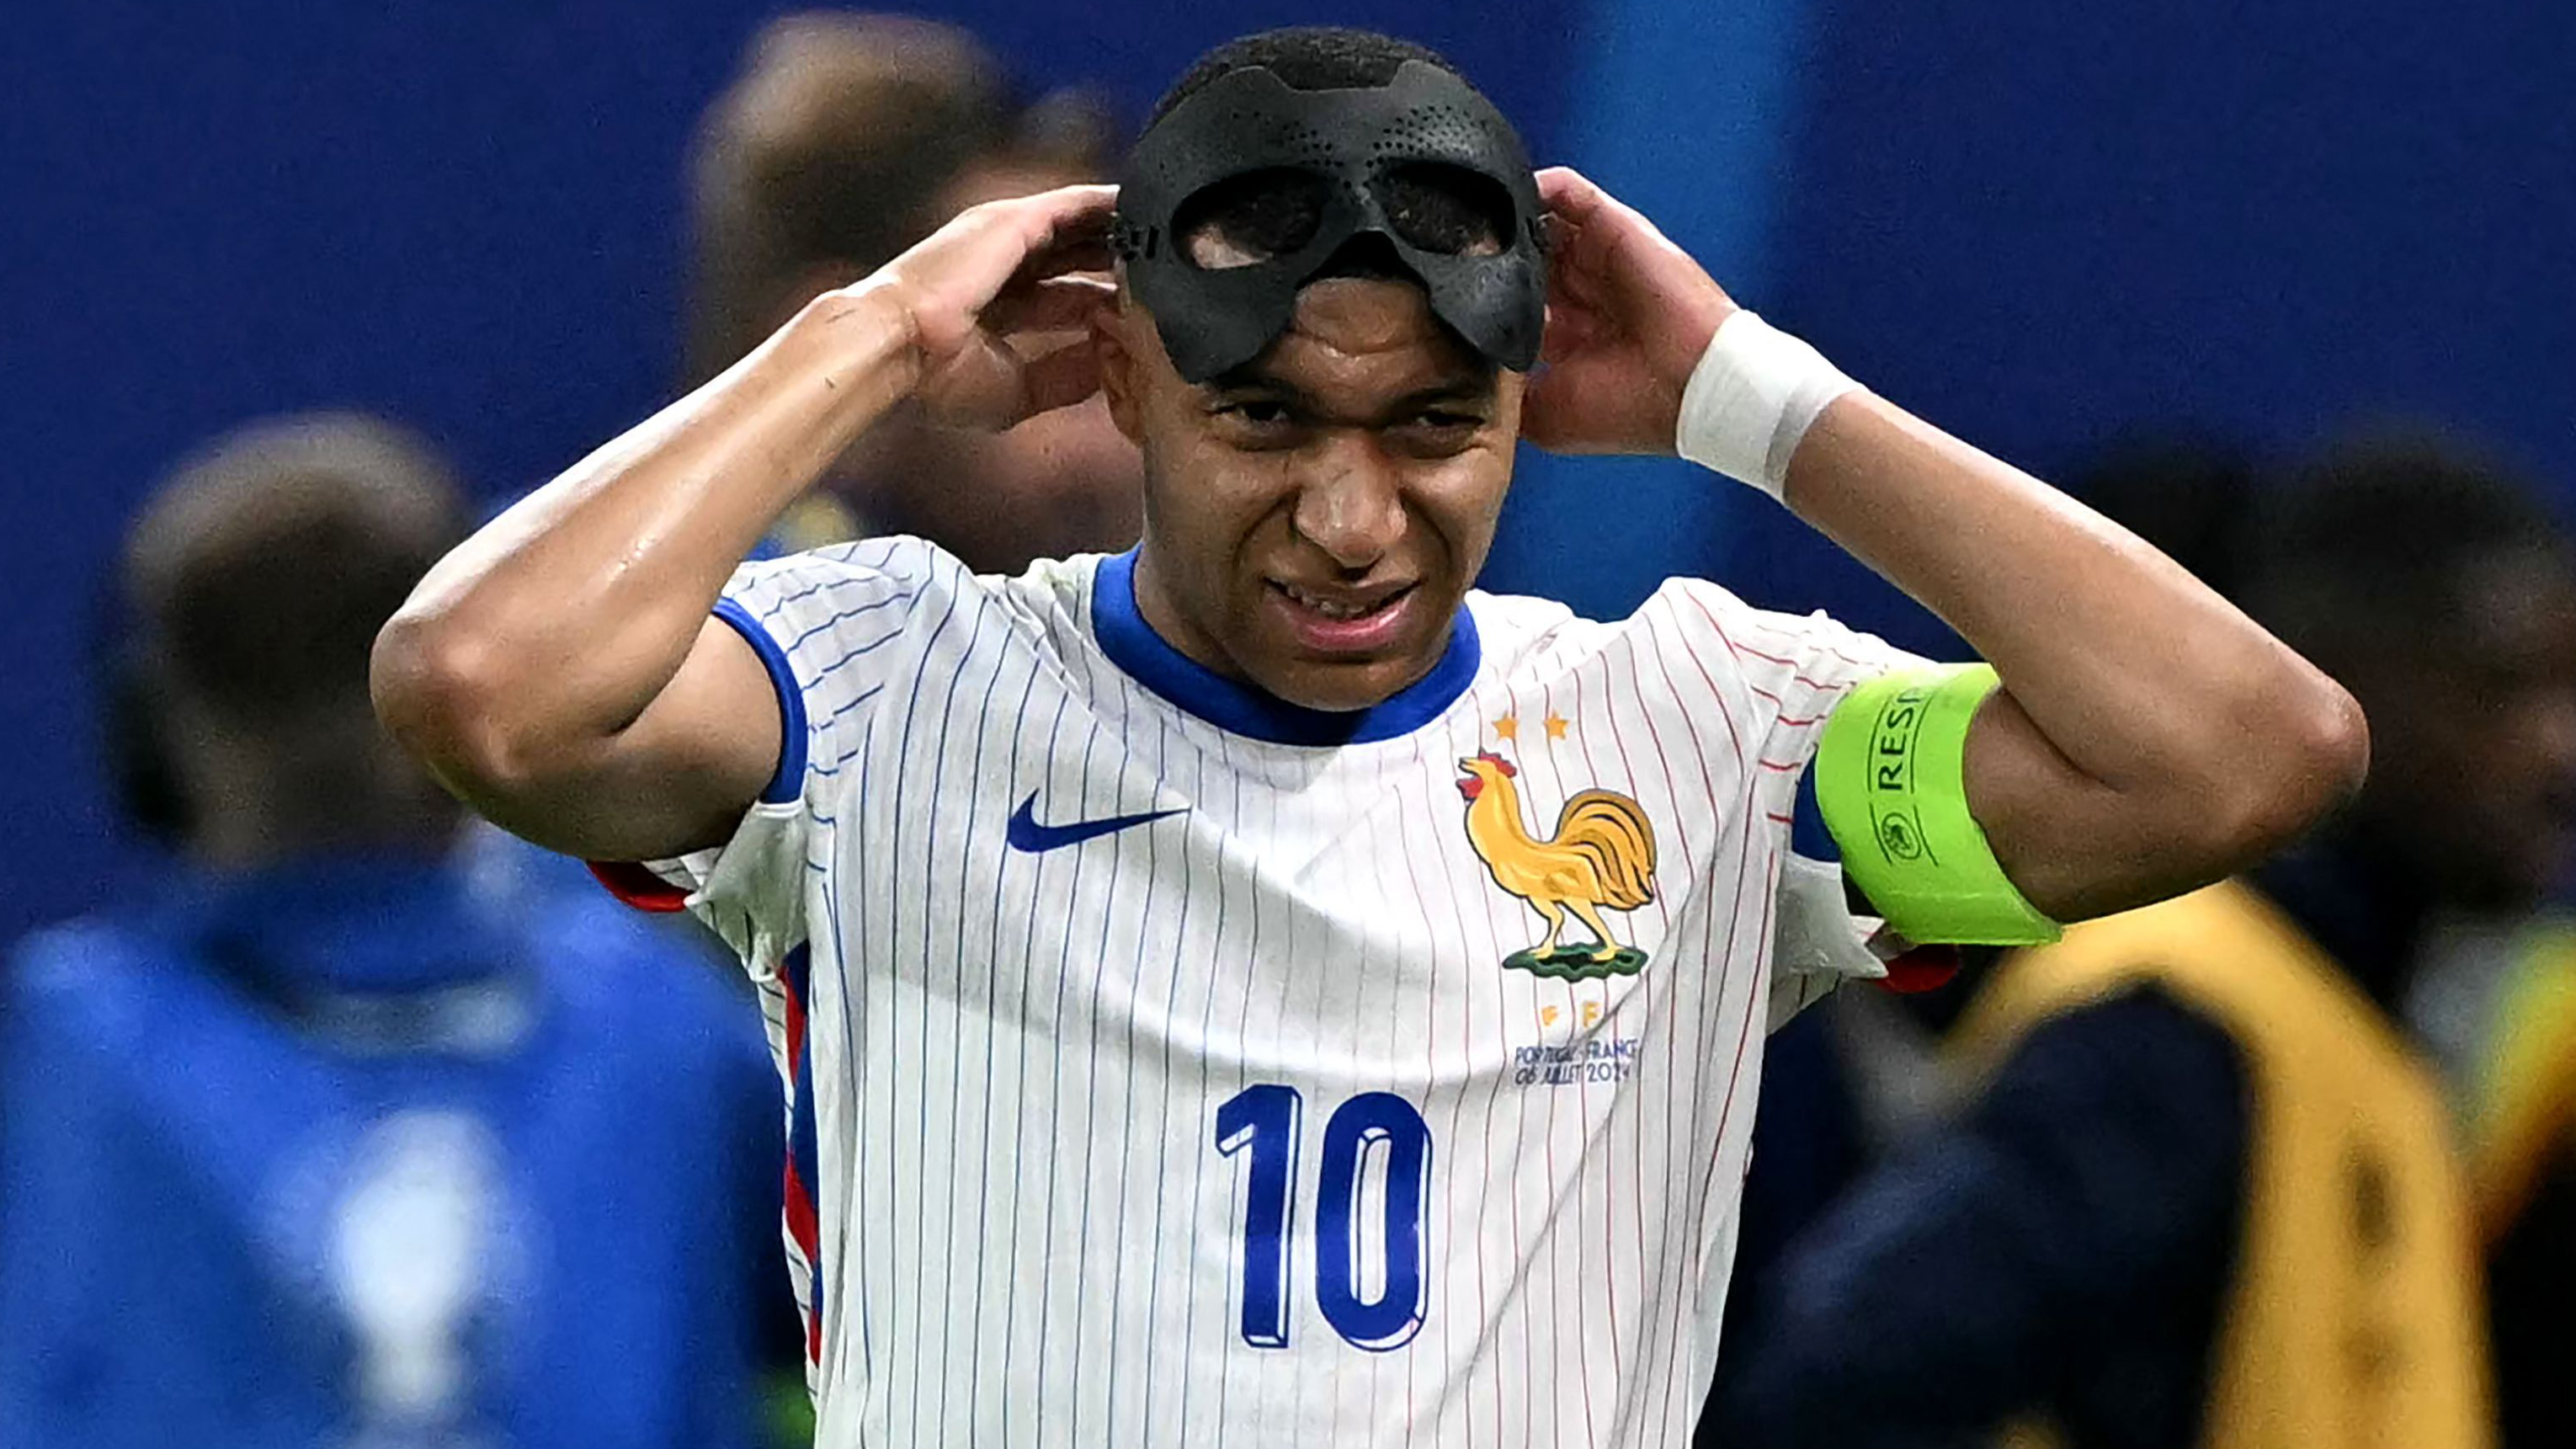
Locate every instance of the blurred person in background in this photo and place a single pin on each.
(2206, 1192)
(318, 1145)
(847, 138)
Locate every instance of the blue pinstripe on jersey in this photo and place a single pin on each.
(958, 968)
(1171, 1012)
(1028, 947)
(855, 1255)
(1055, 1096)
(894, 938)
(930, 834)
(992, 985)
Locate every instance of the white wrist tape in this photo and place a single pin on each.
(1754, 394)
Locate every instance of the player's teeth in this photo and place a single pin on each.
(1329, 608)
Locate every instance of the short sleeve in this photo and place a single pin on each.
(1791, 666)
(832, 627)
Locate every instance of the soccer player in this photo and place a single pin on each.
(1255, 989)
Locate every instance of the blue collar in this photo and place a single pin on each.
(1241, 709)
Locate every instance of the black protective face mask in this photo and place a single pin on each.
(1347, 143)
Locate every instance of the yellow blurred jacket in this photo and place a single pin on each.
(2356, 1319)
(2523, 1093)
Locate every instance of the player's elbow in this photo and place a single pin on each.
(2295, 750)
(2334, 740)
(445, 694)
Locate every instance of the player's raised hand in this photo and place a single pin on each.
(1628, 315)
(987, 294)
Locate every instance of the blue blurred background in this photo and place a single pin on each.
(2042, 225)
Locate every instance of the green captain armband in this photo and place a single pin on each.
(1890, 784)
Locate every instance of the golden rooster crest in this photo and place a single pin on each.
(1602, 855)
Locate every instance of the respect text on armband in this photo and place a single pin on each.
(1894, 821)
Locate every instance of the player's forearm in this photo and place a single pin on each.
(564, 618)
(2190, 739)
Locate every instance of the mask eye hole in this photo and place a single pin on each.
(1450, 210)
(1252, 218)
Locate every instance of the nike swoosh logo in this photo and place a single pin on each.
(1028, 835)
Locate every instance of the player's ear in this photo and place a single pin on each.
(1117, 331)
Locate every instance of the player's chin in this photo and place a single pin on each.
(1340, 686)
(1341, 681)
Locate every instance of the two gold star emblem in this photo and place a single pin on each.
(1509, 727)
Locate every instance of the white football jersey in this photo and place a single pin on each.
(1171, 1066)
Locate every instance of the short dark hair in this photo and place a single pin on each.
(254, 582)
(1267, 213)
(257, 577)
(2377, 537)
(833, 147)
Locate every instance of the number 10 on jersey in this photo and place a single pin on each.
(1265, 1122)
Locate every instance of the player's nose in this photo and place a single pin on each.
(1349, 502)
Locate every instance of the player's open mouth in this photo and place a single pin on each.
(1343, 605)
(1340, 621)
